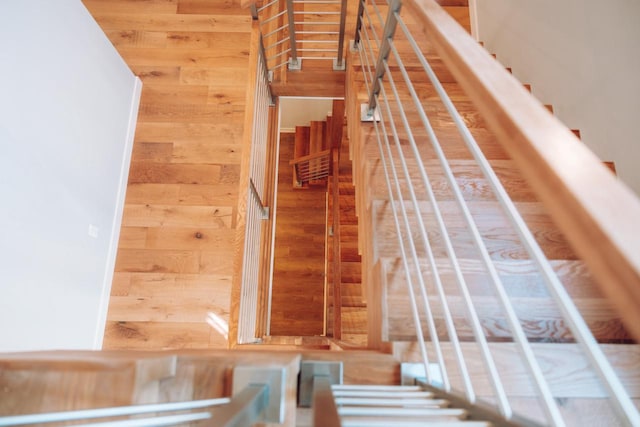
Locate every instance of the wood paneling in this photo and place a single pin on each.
(174, 264)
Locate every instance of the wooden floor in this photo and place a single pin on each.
(298, 277)
(174, 264)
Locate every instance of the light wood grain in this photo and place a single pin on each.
(595, 210)
(174, 264)
(565, 368)
(66, 380)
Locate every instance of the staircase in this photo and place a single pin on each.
(371, 393)
(393, 277)
(391, 319)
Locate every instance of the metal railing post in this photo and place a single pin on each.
(294, 63)
(387, 34)
(265, 68)
(356, 37)
(325, 412)
(245, 408)
(339, 63)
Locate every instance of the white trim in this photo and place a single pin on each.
(117, 217)
(287, 130)
(473, 19)
(311, 97)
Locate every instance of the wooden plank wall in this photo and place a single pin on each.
(174, 260)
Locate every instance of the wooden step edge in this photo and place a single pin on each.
(571, 376)
(611, 166)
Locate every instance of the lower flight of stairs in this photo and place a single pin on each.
(311, 140)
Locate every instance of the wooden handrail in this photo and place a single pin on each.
(599, 214)
(337, 123)
(335, 139)
(236, 284)
(337, 265)
(314, 156)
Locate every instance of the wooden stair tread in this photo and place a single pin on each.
(378, 243)
(469, 179)
(566, 368)
(501, 239)
(537, 311)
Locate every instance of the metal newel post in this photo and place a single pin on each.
(339, 63)
(385, 49)
(294, 63)
(356, 38)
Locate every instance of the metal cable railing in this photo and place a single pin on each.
(248, 405)
(257, 210)
(313, 167)
(154, 412)
(295, 30)
(429, 212)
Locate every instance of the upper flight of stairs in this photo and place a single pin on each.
(389, 313)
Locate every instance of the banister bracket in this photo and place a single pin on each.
(368, 115)
(272, 377)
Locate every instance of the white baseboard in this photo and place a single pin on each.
(117, 217)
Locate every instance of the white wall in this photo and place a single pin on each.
(300, 111)
(67, 114)
(581, 56)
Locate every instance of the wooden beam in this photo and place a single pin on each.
(337, 269)
(337, 123)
